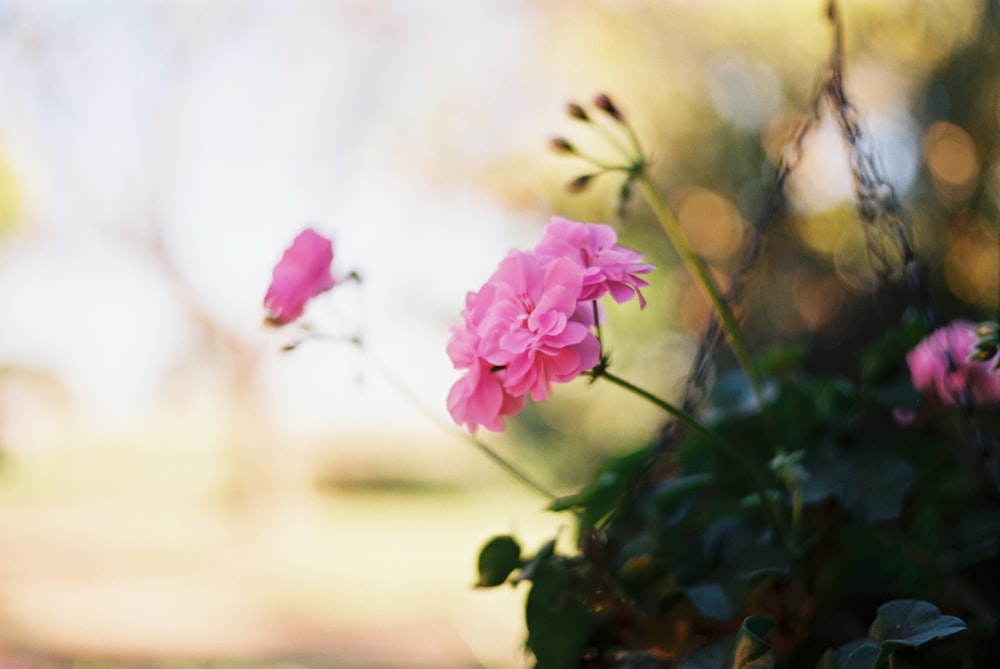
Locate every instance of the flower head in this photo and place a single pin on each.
(607, 267)
(941, 368)
(302, 273)
(521, 332)
(530, 329)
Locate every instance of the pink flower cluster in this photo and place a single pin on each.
(942, 371)
(531, 324)
(302, 273)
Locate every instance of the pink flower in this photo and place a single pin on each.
(302, 273)
(607, 267)
(530, 329)
(530, 325)
(479, 397)
(942, 371)
(523, 331)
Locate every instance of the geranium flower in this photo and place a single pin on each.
(302, 273)
(607, 267)
(941, 368)
(478, 398)
(531, 329)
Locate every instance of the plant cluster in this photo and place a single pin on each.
(784, 519)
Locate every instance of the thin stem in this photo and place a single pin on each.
(418, 404)
(597, 326)
(611, 139)
(676, 412)
(723, 444)
(704, 279)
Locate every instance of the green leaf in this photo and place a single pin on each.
(976, 537)
(715, 600)
(782, 358)
(751, 651)
(911, 623)
(859, 654)
(887, 356)
(543, 555)
(875, 483)
(600, 497)
(669, 495)
(559, 623)
(744, 650)
(498, 558)
(732, 396)
(825, 470)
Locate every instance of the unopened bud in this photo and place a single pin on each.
(982, 354)
(579, 184)
(577, 112)
(604, 103)
(986, 329)
(561, 145)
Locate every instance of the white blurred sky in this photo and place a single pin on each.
(235, 124)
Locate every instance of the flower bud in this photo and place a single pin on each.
(986, 329)
(561, 145)
(577, 112)
(579, 184)
(604, 103)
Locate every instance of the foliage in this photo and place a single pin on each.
(785, 508)
(676, 547)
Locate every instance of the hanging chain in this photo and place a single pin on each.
(886, 226)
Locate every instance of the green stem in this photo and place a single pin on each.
(597, 326)
(705, 281)
(723, 444)
(500, 461)
(676, 412)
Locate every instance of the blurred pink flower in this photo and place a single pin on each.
(942, 371)
(302, 273)
(607, 267)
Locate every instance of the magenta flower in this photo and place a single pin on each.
(942, 371)
(607, 267)
(302, 273)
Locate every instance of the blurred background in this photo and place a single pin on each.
(176, 491)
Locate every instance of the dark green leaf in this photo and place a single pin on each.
(670, 494)
(543, 555)
(976, 537)
(875, 483)
(599, 497)
(716, 601)
(860, 654)
(911, 623)
(497, 559)
(887, 356)
(825, 471)
(751, 651)
(744, 650)
(559, 623)
(781, 359)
